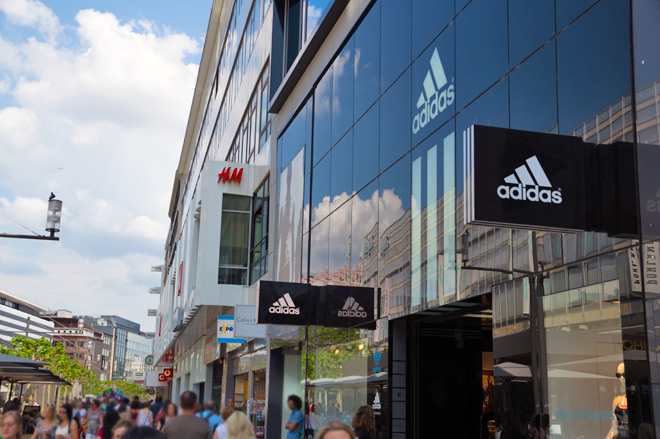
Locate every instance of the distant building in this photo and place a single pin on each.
(138, 347)
(21, 317)
(88, 346)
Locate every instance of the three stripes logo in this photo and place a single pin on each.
(352, 309)
(376, 405)
(529, 182)
(435, 98)
(284, 305)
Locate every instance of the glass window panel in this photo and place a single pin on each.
(364, 240)
(531, 23)
(234, 234)
(342, 92)
(318, 254)
(292, 32)
(583, 90)
(429, 18)
(341, 170)
(321, 190)
(315, 10)
(367, 62)
(395, 122)
(322, 117)
(481, 48)
(569, 10)
(607, 268)
(433, 259)
(394, 225)
(293, 138)
(534, 92)
(395, 40)
(234, 202)
(433, 86)
(365, 148)
(339, 245)
(490, 109)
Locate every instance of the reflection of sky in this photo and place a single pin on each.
(352, 221)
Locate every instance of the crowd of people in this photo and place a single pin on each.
(123, 418)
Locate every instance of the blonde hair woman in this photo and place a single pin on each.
(239, 427)
(47, 426)
(10, 425)
(336, 430)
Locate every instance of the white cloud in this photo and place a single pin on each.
(99, 122)
(31, 13)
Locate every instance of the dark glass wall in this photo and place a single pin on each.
(384, 190)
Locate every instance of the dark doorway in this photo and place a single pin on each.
(452, 376)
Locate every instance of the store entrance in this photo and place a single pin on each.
(453, 374)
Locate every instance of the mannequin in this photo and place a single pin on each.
(620, 428)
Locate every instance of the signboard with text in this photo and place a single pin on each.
(246, 322)
(226, 330)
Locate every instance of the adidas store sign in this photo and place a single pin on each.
(352, 309)
(529, 183)
(284, 306)
(435, 97)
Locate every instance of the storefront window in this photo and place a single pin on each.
(234, 240)
(365, 148)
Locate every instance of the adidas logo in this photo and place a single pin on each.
(653, 206)
(526, 183)
(284, 306)
(431, 100)
(376, 405)
(352, 309)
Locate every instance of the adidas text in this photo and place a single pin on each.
(532, 193)
(283, 310)
(439, 103)
(351, 313)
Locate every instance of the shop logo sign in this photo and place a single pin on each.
(377, 357)
(526, 182)
(434, 99)
(228, 176)
(376, 405)
(352, 309)
(284, 305)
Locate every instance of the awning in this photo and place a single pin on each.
(24, 370)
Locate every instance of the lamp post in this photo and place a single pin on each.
(53, 219)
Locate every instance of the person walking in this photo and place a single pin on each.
(47, 426)
(121, 428)
(210, 414)
(310, 421)
(221, 431)
(156, 407)
(68, 427)
(295, 424)
(143, 433)
(10, 425)
(170, 413)
(162, 413)
(108, 422)
(93, 419)
(80, 411)
(363, 422)
(336, 430)
(187, 425)
(134, 411)
(145, 417)
(239, 426)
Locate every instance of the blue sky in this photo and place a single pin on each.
(94, 100)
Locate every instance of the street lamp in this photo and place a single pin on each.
(53, 219)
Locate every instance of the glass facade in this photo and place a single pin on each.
(573, 314)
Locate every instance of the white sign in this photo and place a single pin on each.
(152, 379)
(226, 330)
(651, 272)
(246, 323)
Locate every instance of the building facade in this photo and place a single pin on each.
(138, 347)
(22, 317)
(481, 330)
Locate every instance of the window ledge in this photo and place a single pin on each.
(306, 55)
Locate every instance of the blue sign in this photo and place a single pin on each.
(226, 330)
(377, 357)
